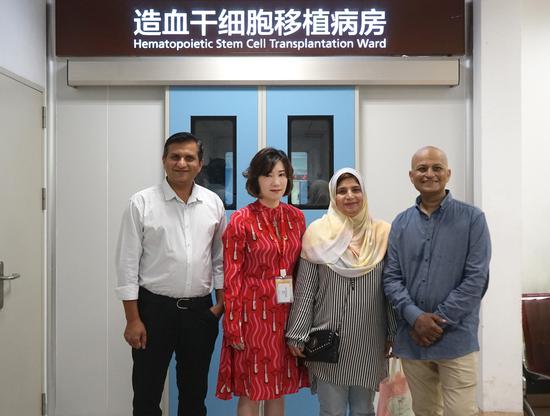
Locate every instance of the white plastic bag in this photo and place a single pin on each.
(394, 396)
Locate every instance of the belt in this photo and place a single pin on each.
(181, 303)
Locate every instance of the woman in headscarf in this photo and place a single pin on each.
(339, 287)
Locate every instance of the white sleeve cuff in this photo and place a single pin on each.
(218, 282)
(129, 292)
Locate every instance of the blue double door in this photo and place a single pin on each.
(315, 126)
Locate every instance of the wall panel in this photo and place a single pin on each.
(394, 123)
(109, 145)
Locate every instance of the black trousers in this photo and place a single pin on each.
(186, 327)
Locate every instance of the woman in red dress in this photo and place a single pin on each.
(261, 246)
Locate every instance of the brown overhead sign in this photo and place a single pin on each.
(260, 27)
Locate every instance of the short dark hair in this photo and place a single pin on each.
(262, 164)
(346, 175)
(182, 137)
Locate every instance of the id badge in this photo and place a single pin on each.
(283, 286)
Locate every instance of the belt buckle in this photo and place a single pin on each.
(182, 307)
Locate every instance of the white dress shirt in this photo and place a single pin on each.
(170, 247)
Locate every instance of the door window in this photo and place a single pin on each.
(310, 140)
(218, 134)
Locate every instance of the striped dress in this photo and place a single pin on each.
(322, 300)
(265, 370)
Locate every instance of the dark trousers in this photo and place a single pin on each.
(186, 327)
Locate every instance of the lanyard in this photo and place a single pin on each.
(281, 242)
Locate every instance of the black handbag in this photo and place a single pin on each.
(322, 345)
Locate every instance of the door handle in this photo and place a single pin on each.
(8, 277)
(3, 278)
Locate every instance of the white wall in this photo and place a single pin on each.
(109, 145)
(23, 39)
(397, 121)
(498, 180)
(535, 169)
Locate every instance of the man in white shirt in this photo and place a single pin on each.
(169, 257)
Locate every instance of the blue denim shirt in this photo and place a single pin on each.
(439, 264)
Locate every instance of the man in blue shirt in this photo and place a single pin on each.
(435, 276)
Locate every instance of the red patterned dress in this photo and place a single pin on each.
(265, 370)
